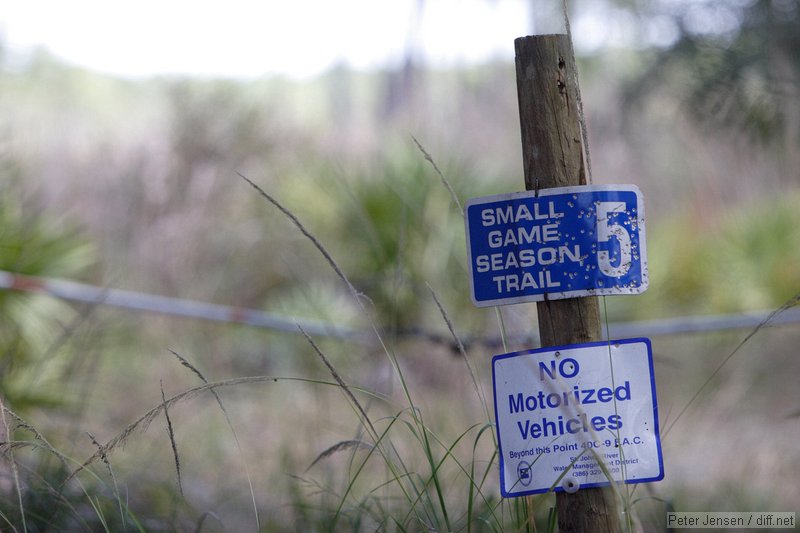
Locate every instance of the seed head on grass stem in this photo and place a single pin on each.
(308, 234)
(791, 302)
(342, 384)
(172, 442)
(441, 176)
(145, 420)
(463, 351)
(199, 374)
(14, 471)
(339, 447)
(104, 457)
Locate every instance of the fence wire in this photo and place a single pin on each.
(152, 303)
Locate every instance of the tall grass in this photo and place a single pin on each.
(405, 467)
(434, 513)
(305, 433)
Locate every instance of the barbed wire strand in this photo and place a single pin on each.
(152, 303)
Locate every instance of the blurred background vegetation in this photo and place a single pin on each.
(133, 184)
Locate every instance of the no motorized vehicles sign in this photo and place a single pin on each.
(584, 414)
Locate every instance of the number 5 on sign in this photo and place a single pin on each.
(606, 229)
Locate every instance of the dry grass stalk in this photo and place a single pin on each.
(172, 442)
(339, 447)
(13, 462)
(143, 422)
(199, 374)
(308, 234)
(441, 176)
(342, 384)
(793, 301)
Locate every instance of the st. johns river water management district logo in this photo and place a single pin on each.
(524, 473)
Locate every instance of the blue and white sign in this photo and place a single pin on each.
(577, 416)
(564, 243)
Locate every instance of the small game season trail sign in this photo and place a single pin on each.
(558, 243)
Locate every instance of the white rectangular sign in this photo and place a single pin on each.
(582, 415)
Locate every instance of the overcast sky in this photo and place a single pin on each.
(298, 38)
(245, 38)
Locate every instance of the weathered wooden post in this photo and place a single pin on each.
(552, 151)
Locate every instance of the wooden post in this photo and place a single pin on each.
(552, 155)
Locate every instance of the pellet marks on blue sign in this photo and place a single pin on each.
(562, 243)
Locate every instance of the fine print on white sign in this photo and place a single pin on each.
(576, 416)
(558, 243)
